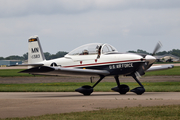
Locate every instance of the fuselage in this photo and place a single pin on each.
(116, 63)
(98, 56)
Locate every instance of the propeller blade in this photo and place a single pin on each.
(158, 46)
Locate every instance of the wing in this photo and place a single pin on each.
(160, 67)
(46, 70)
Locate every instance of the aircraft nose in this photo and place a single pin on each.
(151, 59)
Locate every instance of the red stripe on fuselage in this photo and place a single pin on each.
(86, 65)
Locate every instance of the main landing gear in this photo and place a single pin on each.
(122, 89)
(86, 89)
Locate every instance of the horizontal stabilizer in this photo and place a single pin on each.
(41, 69)
(160, 67)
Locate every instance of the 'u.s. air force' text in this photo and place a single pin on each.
(124, 65)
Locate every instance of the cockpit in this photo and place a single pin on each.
(93, 49)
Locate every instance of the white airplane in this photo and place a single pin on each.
(95, 59)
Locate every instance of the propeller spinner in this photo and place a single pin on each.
(149, 60)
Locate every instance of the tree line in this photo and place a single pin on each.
(47, 55)
(175, 52)
(60, 54)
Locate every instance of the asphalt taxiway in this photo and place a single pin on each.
(23, 104)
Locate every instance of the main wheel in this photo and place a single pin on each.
(85, 90)
(122, 90)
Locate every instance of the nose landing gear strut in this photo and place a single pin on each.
(138, 90)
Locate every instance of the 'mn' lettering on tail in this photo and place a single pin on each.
(35, 52)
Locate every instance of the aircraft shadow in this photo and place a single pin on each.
(80, 95)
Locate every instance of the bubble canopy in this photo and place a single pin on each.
(93, 48)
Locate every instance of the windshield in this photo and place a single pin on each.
(108, 49)
(88, 49)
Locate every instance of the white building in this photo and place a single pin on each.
(167, 58)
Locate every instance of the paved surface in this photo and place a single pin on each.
(15, 67)
(22, 104)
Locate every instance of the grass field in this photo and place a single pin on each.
(14, 72)
(101, 87)
(170, 112)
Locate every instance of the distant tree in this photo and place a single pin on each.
(1, 58)
(139, 51)
(175, 52)
(162, 53)
(61, 54)
(142, 51)
(53, 56)
(47, 55)
(25, 56)
(14, 57)
(131, 51)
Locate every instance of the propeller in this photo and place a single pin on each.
(149, 60)
(158, 46)
(144, 66)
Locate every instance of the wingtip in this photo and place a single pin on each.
(172, 66)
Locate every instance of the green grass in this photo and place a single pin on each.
(14, 72)
(170, 112)
(101, 87)
(166, 62)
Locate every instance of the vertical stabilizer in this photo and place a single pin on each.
(35, 52)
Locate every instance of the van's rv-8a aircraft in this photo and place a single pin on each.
(95, 59)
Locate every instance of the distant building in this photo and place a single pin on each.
(4, 63)
(167, 58)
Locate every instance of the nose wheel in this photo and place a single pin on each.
(138, 90)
